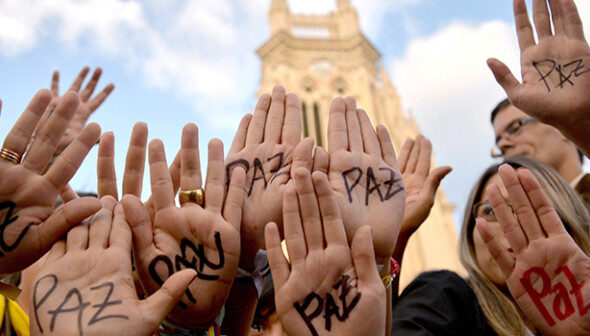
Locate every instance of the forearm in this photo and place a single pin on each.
(239, 309)
(398, 255)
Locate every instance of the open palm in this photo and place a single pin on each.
(547, 271)
(264, 146)
(364, 175)
(556, 70)
(85, 285)
(190, 236)
(30, 225)
(329, 288)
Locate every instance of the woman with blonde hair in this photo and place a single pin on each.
(442, 303)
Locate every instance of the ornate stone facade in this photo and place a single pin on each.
(319, 57)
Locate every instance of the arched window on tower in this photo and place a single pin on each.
(318, 125)
(304, 117)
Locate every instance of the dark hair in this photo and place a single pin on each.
(501, 105)
(504, 104)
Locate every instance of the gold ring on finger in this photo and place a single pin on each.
(194, 196)
(10, 156)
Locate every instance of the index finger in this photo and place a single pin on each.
(89, 89)
(20, 134)
(135, 161)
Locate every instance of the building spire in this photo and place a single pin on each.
(279, 15)
(342, 4)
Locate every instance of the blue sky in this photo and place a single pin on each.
(194, 61)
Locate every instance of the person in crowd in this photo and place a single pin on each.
(553, 91)
(442, 303)
(517, 133)
(542, 263)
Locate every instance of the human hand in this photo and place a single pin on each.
(86, 107)
(263, 146)
(30, 225)
(206, 239)
(329, 288)
(555, 71)
(421, 184)
(546, 272)
(134, 167)
(364, 175)
(85, 286)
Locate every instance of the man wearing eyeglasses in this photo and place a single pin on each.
(519, 134)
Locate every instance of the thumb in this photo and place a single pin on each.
(434, 178)
(67, 216)
(363, 257)
(504, 76)
(159, 304)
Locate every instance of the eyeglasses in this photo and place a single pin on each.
(485, 211)
(513, 129)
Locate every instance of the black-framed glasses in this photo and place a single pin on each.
(513, 129)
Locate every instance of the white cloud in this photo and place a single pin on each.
(444, 80)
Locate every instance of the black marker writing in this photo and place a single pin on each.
(192, 257)
(9, 219)
(260, 173)
(73, 302)
(566, 72)
(106, 303)
(353, 176)
(328, 305)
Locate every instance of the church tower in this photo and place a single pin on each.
(320, 57)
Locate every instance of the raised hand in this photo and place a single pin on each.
(364, 175)
(546, 272)
(329, 288)
(555, 71)
(206, 239)
(134, 167)
(421, 184)
(263, 146)
(30, 225)
(87, 106)
(85, 286)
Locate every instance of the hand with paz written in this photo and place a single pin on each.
(547, 273)
(263, 146)
(85, 287)
(364, 175)
(30, 224)
(204, 238)
(555, 70)
(328, 288)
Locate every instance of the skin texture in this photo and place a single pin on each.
(275, 127)
(162, 236)
(539, 141)
(94, 253)
(353, 143)
(557, 99)
(539, 240)
(484, 258)
(34, 194)
(312, 217)
(87, 106)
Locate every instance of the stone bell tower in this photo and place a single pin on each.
(319, 57)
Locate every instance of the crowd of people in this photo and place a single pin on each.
(287, 238)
